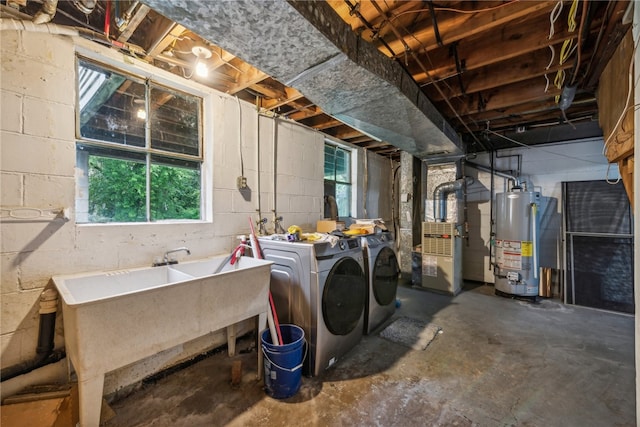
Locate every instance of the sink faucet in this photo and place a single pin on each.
(166, 254)
(277, 222)
(262, 230)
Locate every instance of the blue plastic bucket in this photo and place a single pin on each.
(283, 363)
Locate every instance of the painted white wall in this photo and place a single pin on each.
(544, 168)
(374, 194)
(37, 167)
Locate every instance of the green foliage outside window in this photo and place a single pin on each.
(117, 191)
(140, 147)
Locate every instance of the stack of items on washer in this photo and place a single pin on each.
(336, 288)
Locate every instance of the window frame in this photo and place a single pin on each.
(352, 174)
(155, 78)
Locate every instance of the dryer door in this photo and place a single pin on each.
(385, 276)
(343, 297)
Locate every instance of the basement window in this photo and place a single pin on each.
(337, 177)
(138, 150)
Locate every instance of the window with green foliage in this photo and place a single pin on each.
(337, 177)
(139, 149)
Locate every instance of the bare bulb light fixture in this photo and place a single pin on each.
(202, 54)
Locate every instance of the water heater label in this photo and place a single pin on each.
(527, 248)
(509, 254)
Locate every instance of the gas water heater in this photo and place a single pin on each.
(516, 243)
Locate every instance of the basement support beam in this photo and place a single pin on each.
(406, 214)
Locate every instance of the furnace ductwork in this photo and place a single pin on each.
(440, 196)
(347, 78)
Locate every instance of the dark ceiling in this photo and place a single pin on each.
(495, 70)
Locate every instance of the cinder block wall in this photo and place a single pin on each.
(38, 167)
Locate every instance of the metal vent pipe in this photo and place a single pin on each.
(440, 196)
(516, 183)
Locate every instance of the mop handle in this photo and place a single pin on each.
(258, 254)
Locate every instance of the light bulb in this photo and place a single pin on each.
(201, 69)
(141, 114)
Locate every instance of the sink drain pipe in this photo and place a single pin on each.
(46, 335)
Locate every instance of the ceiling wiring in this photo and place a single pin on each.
(353, 9)
(450, 9)
(424, 69)
(553, 17)
(606, 176)
(566, 49)
(630, 87)
(540, 148)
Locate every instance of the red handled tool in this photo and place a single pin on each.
(257, 253)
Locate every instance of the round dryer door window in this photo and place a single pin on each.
(344, 295)
(385, 277)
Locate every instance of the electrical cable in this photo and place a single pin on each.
(606, 176)
(626, 103)
(567, 47)
(449, 9)
(541, 149)
(553, 17)
(240, 136)
(424, 69)
(184, 73)
(564, 115)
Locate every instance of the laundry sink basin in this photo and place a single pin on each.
(112, 319)
(92, 287)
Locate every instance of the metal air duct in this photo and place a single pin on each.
(307, 46)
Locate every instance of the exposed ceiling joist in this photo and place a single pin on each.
(488, 60)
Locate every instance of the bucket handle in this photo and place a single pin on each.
(306, 347)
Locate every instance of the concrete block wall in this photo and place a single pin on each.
(378, 187)
(544, 168)
(37, 167)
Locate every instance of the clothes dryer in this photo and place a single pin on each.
(321, 288)
(383, 274)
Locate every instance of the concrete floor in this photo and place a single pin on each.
(498, 362)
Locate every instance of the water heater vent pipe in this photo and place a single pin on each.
(514, 179)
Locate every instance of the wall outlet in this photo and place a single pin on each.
(242, 182)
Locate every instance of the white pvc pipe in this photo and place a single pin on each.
(21, 25)
(534, 244)
(274, 153)
(272, 327)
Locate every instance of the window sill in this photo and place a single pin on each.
(143, 224)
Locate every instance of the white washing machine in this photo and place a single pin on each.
(383, 273)
(322, 289)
